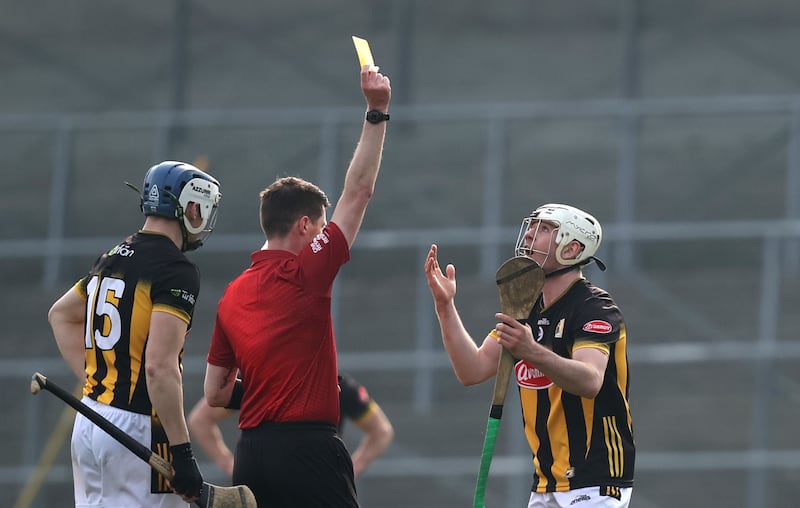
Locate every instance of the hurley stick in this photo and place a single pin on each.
(211, 496)
(519, 283)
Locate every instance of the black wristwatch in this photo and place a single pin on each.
(375, 116)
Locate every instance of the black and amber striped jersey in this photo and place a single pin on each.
(578, 442)
(145, 273)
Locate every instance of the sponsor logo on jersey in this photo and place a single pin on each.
(183, 295)
(543, 321)
(530, 377)
(123, 250)
(597, 326)
(539, 334)
(318, 241)
(559, 330)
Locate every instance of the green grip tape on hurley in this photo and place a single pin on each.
(486, 461)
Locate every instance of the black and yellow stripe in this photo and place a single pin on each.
(578, 442)
(121, 293)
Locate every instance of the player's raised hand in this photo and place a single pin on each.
(443, 286)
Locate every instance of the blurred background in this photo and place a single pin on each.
(677, 124)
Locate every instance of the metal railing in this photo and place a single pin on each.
(778, 237)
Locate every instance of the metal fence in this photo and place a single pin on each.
(661, 266)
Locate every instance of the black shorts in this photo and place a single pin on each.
(297, 464)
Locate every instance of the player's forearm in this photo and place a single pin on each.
(165, 388)
(69, 339)
(378, 435)
(467, 360)
(368, 450)
(204, 429)
(66, 318)
(209, 437)
(222, 457)
(572, 376)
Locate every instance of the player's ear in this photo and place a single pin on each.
(572, 250)
(192, 212)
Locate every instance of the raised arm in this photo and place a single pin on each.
(471, 364)
(359, 182)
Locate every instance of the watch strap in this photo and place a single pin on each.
(376, 116)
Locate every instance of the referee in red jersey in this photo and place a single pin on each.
(274, 327)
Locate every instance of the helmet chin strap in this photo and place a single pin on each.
(187, 245)
(561, 270)
(566, 269)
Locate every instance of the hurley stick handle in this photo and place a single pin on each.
(40, 382)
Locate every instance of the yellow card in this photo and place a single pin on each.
(364, 53)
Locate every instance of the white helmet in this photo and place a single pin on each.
(572, 224)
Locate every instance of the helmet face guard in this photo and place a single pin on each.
(572, 224)
(168, 189)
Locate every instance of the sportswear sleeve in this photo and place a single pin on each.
(597, 323)
(175, 289)
(80, 288)
(354, 400)
(322, 258)
(220, 352)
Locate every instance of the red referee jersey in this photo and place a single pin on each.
(274, 324)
